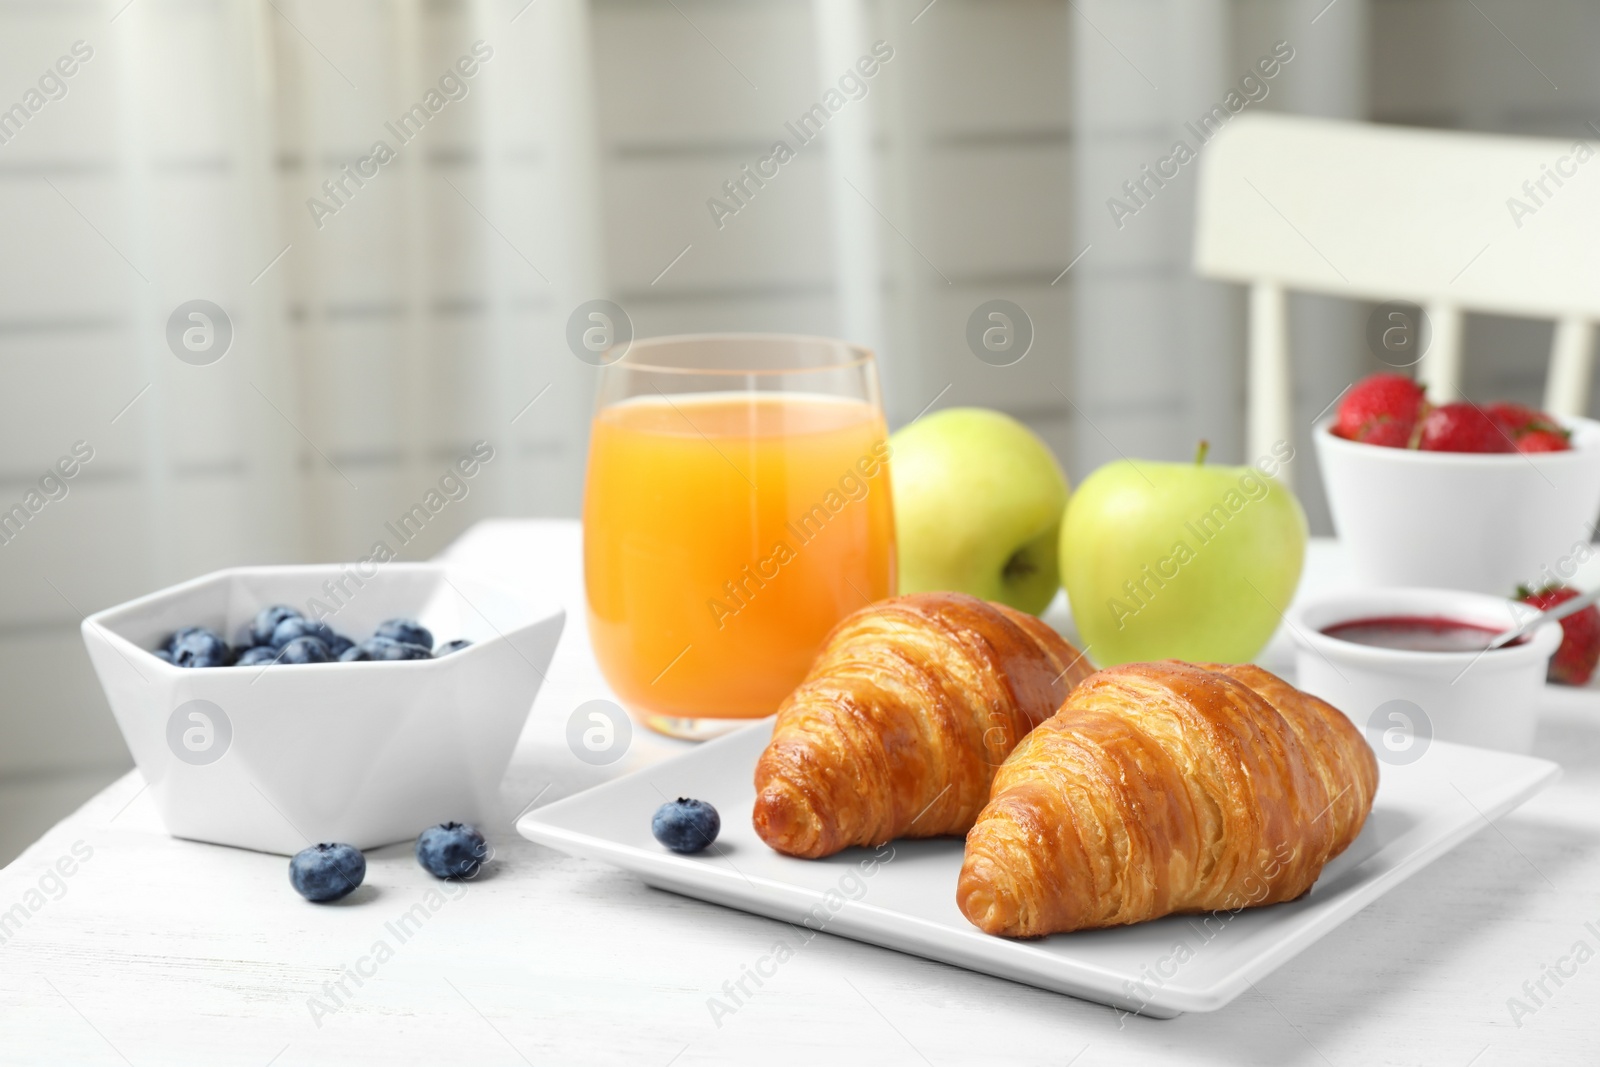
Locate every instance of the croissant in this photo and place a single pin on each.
(898, 728)
(1162, 788)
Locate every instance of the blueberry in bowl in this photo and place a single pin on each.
(383, 648)
(686, 826)
(266, 622)
(452, 850)
(280, 634)
(327, 872)
(406, 631)
(196, 646)
(254, 657)
(304, 650)
(292, 629)
(181, 634)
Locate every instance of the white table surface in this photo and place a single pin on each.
(159, 951)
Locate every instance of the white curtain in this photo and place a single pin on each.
(1159, 352)
(377, 330)
(376, 336)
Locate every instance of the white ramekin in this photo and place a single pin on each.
(1400, 699)
(1456, 520)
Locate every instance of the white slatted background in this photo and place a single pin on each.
(366, 357)
(432, 309)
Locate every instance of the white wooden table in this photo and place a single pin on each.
(158, 951)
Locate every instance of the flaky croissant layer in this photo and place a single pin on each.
(898, 729)
(1161, 788)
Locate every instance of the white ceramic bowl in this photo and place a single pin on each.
(1402, 699)
(1456, 520)
(280, 757)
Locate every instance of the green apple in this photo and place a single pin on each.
(1181, 560)
(977, 507)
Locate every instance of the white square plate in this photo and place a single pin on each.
(904, 899)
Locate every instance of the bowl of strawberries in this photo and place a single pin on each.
(1460, 495)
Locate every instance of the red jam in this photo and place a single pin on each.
(1417, 633)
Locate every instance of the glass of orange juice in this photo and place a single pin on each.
(736, 507)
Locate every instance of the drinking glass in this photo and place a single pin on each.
(736, 507)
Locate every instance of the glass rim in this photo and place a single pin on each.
(861, 355)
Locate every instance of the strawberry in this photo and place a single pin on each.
(1544, 441)
(1519, 419)
(1531, 429)
(1574, 661)
(1463, 427)
(1391, 433)
(1381, 409)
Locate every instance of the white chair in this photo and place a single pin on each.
(1448, 221)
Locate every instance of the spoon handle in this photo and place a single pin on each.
(1555, 614)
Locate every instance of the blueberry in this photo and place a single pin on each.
(405, 630)
(267, 620)
(452, 646)
(173, 638)
(196, 646)
(327, 872)
(252, 657)
(355, 654)
(297, 626)
(335, 641)
(385, 648)
(685, 825)
(164, 653)
(304, 650)
(452, 850)
(290, 629)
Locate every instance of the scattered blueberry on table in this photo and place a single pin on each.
(280, 634)
(452, 850)
(327, 872)
(685, 825)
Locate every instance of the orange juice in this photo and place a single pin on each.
(724, 535)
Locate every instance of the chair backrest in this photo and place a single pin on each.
(1448, 221)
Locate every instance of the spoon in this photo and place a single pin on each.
(1555, 614)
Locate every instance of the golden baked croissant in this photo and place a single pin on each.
(1161, 788)
(900, 724)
